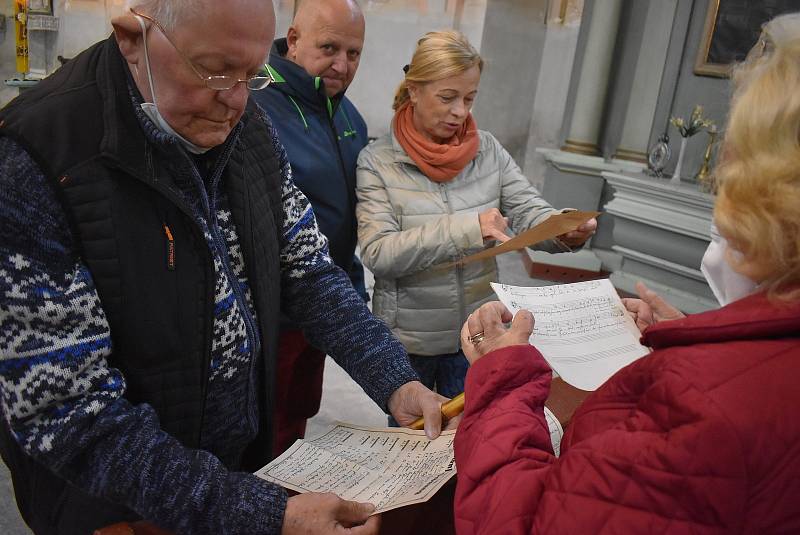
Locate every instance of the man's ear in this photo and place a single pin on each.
(128, 33)
(292, 36)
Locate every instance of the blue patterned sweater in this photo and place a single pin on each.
(66, 406)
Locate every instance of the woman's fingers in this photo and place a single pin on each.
(493, 225)
(660, 309)
(522, 326)
(489, 322)
(490, 316)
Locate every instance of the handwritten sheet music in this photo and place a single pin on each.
(388, 468)
(581, 329)
(556, 431)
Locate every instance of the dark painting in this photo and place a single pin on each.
(732, 28)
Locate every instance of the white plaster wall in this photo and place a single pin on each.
(393, 28)
(551, 97)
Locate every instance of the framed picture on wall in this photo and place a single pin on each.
(731, 29)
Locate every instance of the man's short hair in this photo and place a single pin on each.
(167, 12)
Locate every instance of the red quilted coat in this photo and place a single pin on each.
(701, 436)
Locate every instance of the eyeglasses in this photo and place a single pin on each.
(221, 82)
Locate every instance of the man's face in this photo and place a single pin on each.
(329, 46)
(222, 41)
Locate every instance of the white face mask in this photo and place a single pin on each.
(151, 108)
(727, 285)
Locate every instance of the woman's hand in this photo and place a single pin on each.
(493, 225)
(577, 237)
(489, 320)
(650, 308)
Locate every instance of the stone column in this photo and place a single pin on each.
(646, 82)
(584, 129)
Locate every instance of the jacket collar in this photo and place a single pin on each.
(119, 118)
(400, 153)
(293, 80)
(750, 318)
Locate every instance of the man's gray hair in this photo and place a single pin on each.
(167, 12)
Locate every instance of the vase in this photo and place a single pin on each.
(676, 176)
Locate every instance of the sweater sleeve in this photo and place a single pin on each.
(319, 297)
(62, 401)
(657, 470)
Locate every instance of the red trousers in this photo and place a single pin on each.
(298, 387)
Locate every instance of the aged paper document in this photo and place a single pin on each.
(555, 225)
(388, 468)
(581, 329)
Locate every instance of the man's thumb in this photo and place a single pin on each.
(354, 512)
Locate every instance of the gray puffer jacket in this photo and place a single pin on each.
(408, 225)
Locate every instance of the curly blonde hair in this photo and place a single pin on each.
(438, 55)
(758, 177)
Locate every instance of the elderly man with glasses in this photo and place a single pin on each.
(150, 232)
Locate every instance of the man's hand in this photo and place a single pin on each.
(650, 308)
(314, 513)
(413, 400)
(577, 237)
(493, 225)
(489, 320)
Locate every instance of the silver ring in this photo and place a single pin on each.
(476, 338)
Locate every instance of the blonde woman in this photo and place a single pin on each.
(701, 436)
(433, 190)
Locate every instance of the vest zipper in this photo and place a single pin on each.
(209, 206)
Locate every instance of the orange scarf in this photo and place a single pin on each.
(439, 162)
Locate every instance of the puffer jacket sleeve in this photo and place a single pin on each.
(390, 252)
(659, 469)
(519, 200)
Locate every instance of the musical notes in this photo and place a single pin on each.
(389, 468)
(581, 329)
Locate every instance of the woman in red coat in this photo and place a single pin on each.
(701, 436)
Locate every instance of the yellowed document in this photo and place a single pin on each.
(388, 467)
(555, 225)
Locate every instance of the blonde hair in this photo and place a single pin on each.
(438, 55)
(758, 178)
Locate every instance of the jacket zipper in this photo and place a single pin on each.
(459, 266)
(179, 203)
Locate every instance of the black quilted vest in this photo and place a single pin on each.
(80, 128)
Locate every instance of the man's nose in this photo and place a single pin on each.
(339, 64)
(235, 97)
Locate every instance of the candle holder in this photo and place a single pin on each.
(703, 176)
